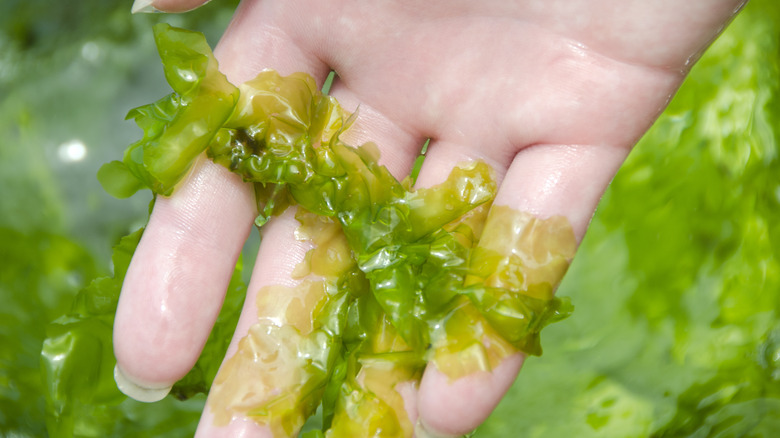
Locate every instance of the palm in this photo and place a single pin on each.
(552, 94)
(496, 74)
(486, 79)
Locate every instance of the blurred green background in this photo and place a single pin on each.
(676, 330)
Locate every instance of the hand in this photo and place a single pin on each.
(551, 94)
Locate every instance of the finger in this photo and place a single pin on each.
(145, 6)
(279, 240)
(546, 181)
(236, 393)
(277, 258)
(177, 279)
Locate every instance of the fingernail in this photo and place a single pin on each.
(143, 7)
(138, 392)
(420, 431)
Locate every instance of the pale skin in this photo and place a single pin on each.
(551, 93)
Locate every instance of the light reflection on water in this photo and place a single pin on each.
(90, 51)
(72, 151)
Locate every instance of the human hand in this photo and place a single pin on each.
(551, 95)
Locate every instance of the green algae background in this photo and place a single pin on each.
(677, 285)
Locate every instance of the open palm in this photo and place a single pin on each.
(552, 94)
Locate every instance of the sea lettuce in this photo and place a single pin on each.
(418, 282)
(178, 127)
(77, 361)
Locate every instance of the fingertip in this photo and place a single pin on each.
(142, 392)
(238, 427)
(150, 6)
(423, 431)
(143, 7)
(176, 281)
(453, 408)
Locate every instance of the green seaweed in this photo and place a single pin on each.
(282, 135)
